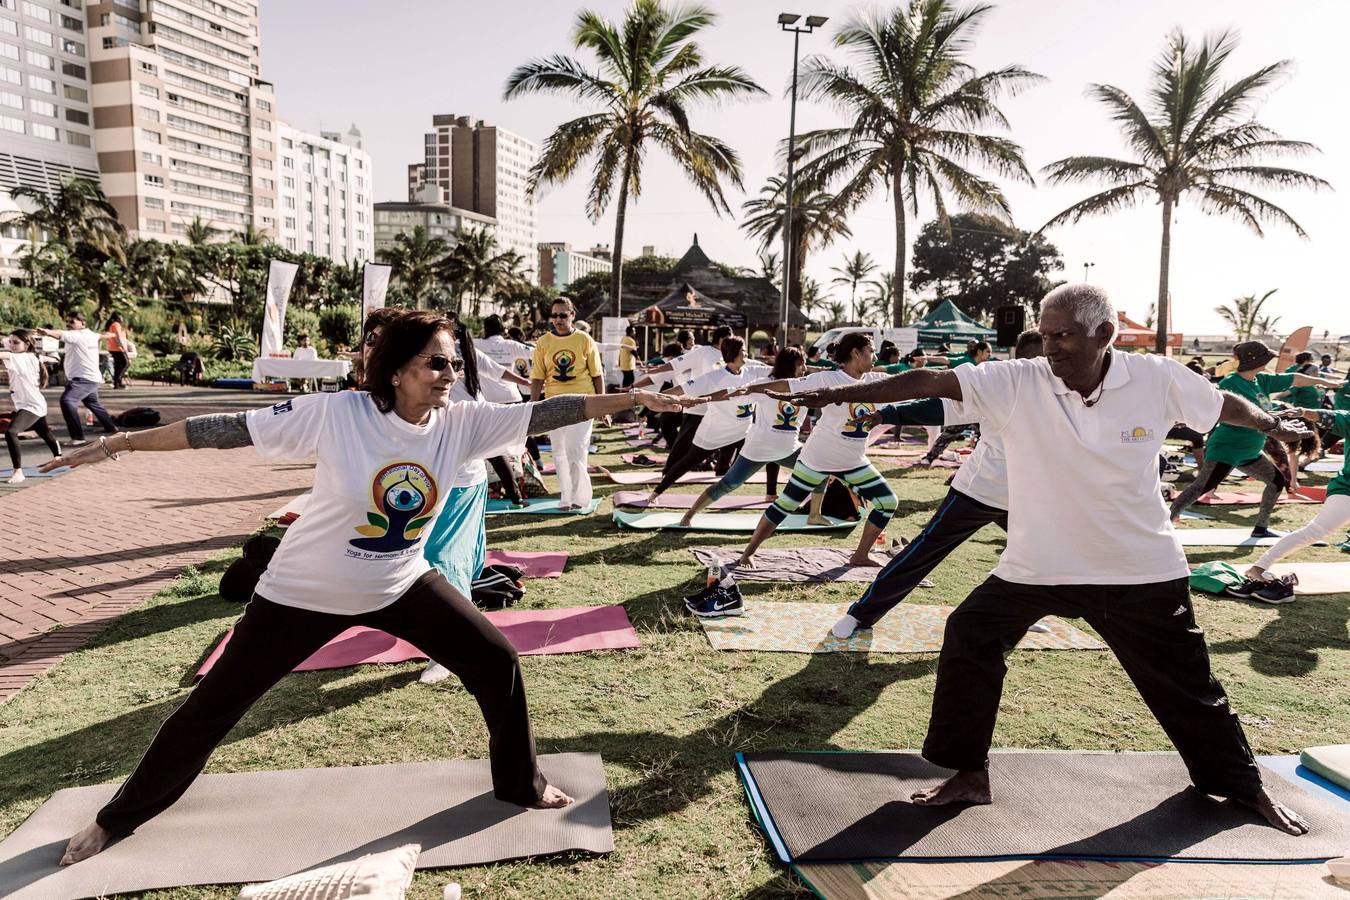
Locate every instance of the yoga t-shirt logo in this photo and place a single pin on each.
(1136, 435)
(853, 428)
(745, 410)
(403, 495)
(785, 419)
(564, 366)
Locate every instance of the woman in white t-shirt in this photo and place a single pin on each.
(27, 378)
(385, 458)
(773, 440)
(837, 446)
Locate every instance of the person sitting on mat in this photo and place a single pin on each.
(355, 557)
(1234, 447)
(978, 496)
(1087, 538)
(836, 446)
(773, 441)
(1331, 519)
(725, 422)
(566, 361)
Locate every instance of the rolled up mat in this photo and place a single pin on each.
(533, 632)
(635, 478)
(638, 499)
(1225, 537)
(1331, 762)
(258, 826)
(539, 506)
(909, 628)
(847, 807)
(1317, 577)
(729, 522)
(534, 565)
(795, 564)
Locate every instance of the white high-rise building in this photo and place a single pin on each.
(46, 120)
(324, 197)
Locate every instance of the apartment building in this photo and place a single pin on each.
(560, 265)
(325, 204)
(46, 131)
(484, 169)
(184, 125)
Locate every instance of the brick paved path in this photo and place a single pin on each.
(79, 550)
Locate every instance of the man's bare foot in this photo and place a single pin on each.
(817, 520)
(747, 561)
(85, 844)
(963, 787)
(863, 560)
(553, 799)
(1277, 814)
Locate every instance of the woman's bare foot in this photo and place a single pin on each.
(817, 520)
(963, 787)
(1277, 814)
(553, 799)
(747, 561)
(865, 559)
(85, 844)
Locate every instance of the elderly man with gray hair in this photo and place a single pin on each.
(1088, 537)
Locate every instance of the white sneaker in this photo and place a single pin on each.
(844, 628)
(17, 477)
(434, 673)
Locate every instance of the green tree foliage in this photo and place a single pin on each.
(816, 221)
(982, 264)
(1246, 315)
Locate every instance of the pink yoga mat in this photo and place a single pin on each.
(534, 565)
(533, 632)
(653, 477)
(1251, 498)
(551, 469)
(639, 442)
(686, 501)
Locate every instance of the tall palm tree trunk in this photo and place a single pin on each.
(898, 282)
(1164, 262)
(620, 216)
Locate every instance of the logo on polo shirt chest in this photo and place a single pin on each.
(1136, 435)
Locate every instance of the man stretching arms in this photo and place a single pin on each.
(1087, 537)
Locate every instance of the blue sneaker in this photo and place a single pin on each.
(717, 602)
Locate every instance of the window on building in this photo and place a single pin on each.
(290, 222)
(151, 136)
(42, 108)
(263, 124)
(74, 48)
(10, 99)
(46, 132)
(78, 94)
(264, 144)
(33, 11)
(266, 202)
(148, 114)
(264, 105)
(72, 23)
(155, 225)
(290, 203)
(8, 51)
(149, 68)
(40, 60)
(154, 202)
(10, 76)
(288, 163)
(39, 37)
(149, 90)
(288, 144)
(74, 70)
(9, 26)
(290, 243)
(9, 123)
(153, 180)
(79, 117)
(264, 163)
(45, 85)
(267, 184)
(288, 182)
(77, 138)
(152, 159)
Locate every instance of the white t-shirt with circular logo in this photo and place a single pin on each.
(836, 443)
(726, 421)
(776, 432)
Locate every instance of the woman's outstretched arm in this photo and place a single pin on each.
(223, 431)
(569, 409)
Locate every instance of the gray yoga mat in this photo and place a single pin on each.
(794, 564)
(849, 807)
(258, 826)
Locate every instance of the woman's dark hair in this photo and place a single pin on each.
(890, 355)
(887, 345)
(516, 333)
(854, 340)
(1304, 357)
(464, 347)
(684, 336)
(672, 349)
(721, 333)
(732, 347)
(786, 362)
(115, 319)
(30, 346)
(914, 354)
(378, 318)
(492, 326)
(629, 331)
(401, 338)
(978, 347)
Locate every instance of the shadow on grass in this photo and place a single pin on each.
(1288, 645)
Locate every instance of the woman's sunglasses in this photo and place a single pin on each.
(437, 362)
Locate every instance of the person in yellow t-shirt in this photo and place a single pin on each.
(567, 361)
(628, 356)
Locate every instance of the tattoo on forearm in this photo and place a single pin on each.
(557, 412)
(220, 432)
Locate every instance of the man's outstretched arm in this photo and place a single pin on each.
(1245, 414)
(916, 384)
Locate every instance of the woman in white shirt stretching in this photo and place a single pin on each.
(836, 446)
(27, 378)
(385, 458)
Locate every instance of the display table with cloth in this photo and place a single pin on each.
(285, 367)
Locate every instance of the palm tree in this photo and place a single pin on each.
(1244, 315)
(649, 73)
(836, 311)
(416, 259)
(768, 265)
(198, 232)
(75, 213)
(816, 222)
(853, 272)
(915, 105)
(1197, 137)
(475, 266)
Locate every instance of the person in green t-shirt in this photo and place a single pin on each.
(1307, 396)
(1230, 447)
(976, 353)
(914, 359)
(1330, 520)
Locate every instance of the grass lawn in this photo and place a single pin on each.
(667, 717)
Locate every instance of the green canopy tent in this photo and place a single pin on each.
(945, 323)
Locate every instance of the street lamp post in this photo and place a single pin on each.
(1086, 267)
(788, 22)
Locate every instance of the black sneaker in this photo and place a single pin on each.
(1248, 588)
(1262, 532)
(718, 603)
(1279, 590)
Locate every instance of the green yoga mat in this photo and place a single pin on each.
(730, 522)
(1332, 763)
(539, 506)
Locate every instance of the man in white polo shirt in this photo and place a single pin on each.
(80, 364)
(1088, 537)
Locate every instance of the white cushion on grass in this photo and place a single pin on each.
(378, 876)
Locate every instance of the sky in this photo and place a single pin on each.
(335, 64)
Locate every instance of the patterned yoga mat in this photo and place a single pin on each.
(909, 628)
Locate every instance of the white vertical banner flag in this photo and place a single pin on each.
(280, 277)
(375, 284)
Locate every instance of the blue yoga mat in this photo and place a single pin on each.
(539, 506)
(32, 472)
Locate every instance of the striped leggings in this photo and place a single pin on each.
(865, 481)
